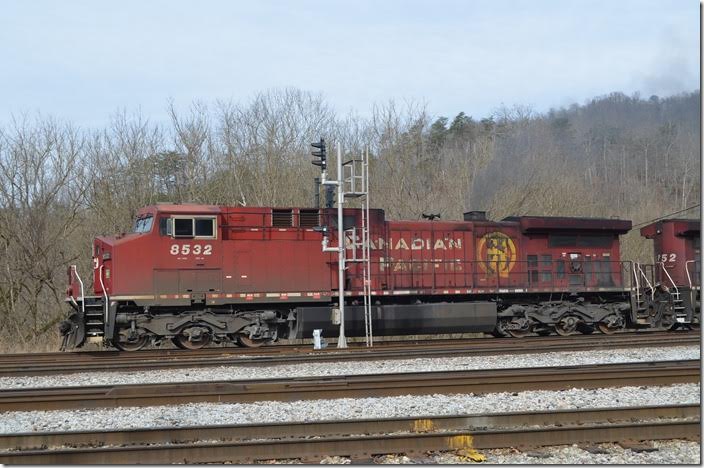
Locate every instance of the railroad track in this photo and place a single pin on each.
(65, 363)
(360, 439)
(353, 386)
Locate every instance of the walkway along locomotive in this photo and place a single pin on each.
(195, 274)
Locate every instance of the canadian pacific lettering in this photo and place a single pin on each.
(403, 244)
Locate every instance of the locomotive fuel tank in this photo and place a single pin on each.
(399, 319)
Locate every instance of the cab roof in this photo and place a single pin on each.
(534, 224)
(189, 208)
(681, 227)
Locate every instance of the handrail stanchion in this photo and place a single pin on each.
(686, 268)
(105, 296)
(83, 298)
(662, 265)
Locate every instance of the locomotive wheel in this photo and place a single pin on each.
(182, 341)
(516, 328)
(564, 329)
(248, 342)
(606, 329)
(518, 333)
(124, 343)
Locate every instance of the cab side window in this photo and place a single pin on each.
(183, 227)
(205, 227)
(196, 227)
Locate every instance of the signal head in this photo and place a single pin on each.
(321, 153)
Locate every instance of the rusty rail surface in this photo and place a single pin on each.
(66, 363)
(353, 386)
(363, 439)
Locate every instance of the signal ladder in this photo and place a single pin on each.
(355, 184)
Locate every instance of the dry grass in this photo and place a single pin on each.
(45, 344)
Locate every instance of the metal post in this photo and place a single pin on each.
(342, 340)
(316, 192)
(356, 190)
(368, 252)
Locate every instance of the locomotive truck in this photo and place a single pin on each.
(196, 274)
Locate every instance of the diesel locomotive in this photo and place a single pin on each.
(196, 274)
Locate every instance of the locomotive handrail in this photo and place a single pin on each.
(105, 295)
(80, 281)
(686, 268)
(635, 276)
(453, 273)
(662, 265)
(645, 277)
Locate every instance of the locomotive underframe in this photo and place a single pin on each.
(130, 324)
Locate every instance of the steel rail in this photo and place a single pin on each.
(356, 438)
(355, 346)
(175, 435)
(353, 386)
(63, 363)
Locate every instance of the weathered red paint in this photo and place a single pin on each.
(676, 245)
(251, 259)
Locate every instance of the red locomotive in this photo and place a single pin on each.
(200, 273)
(677, 266)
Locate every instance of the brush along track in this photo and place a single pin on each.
(361, 439)
(353, 386)
(66, 363)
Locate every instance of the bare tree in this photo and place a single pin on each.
(42, 188)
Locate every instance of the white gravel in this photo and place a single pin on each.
(241, 372)
(668, 452)
(344, 408)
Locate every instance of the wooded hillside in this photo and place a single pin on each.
(61, 185)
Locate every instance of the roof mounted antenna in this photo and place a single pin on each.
(431, 217)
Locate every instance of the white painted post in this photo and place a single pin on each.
(316, 339)
(342, 340)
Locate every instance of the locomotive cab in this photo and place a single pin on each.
(677, 264)
(200, 273)
(139, 265)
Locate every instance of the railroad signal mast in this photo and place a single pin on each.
(352, 182)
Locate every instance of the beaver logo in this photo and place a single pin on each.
(496, 250)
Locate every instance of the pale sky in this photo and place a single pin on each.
(82, 60)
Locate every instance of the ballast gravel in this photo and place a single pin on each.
(665, 452)
(344, 408)
(319, 369)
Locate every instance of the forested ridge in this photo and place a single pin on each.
(60, 185)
